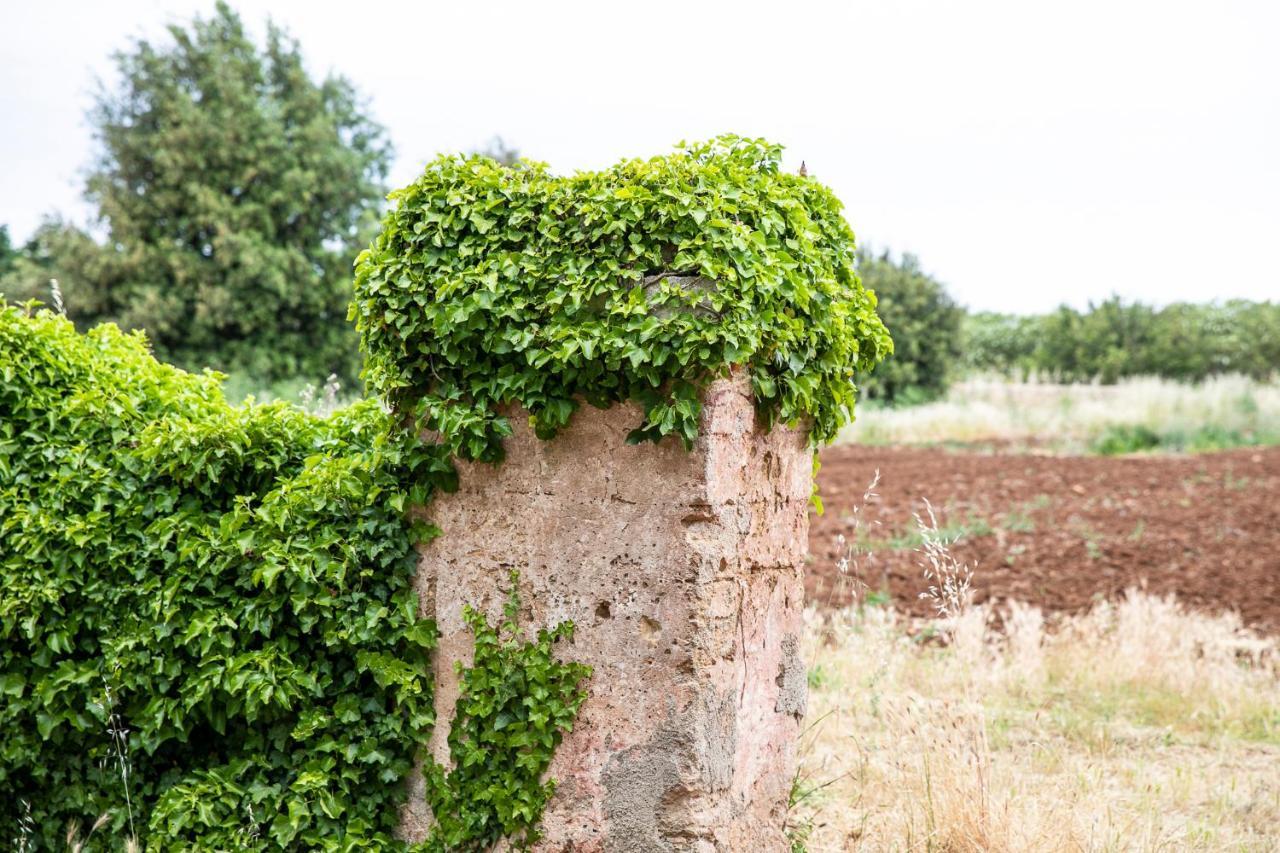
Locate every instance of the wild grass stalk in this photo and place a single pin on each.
(118, 753)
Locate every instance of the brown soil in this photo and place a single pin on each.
(1060, 532)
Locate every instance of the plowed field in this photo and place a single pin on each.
(1060, 532)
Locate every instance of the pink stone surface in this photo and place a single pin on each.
(682, 573)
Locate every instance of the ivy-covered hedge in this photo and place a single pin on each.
(232, 585)
(491, 284)
(208, 630)
(207, 625)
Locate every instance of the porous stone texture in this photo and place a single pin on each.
(682, 572)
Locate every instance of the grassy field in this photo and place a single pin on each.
(1134, 415)
(320, 396)
(1139, 726)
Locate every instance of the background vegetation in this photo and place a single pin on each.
(1115, 340)
(926, 327)
(232, 193)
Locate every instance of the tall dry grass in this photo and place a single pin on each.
(1138, 726)
(1071, 417)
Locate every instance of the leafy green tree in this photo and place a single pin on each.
(8, 255)
(1001, 343)
(498, 150)
(925, 324)
(235, 191)
(61, 251)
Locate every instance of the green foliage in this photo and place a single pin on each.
(516, 702)
(1114, 340)
(491, 284)
(228, 590)
(1126, 438)
(233, 586)
(925, 323)
(60, 250)
(8, 254)
(1000, 343)
(238, 578)
(236, 191)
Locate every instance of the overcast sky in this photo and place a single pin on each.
(1030, 153)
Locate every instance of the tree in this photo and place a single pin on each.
(59, 250)
(1002, 343)
(235, 191)
(8, 255)
(497, 149)
(925, 324)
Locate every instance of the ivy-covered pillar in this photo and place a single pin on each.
(619, 377)
(681, 572)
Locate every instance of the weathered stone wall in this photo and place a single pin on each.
(682, 573)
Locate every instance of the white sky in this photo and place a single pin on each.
(1031, 153)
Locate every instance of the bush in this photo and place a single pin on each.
(232, 585)
(925, 324)
(1126, 438)
(1000, 343)
(491, 285)
(60, 251)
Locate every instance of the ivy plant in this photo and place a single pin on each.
(229, 588)
(492, 284)
(516, 702)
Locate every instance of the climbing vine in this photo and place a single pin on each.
(227, 591)
(491, 284)
(516, 702)
(208, 630)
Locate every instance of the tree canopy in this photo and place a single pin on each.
(1115, 339)
(234, 190)
(925, 323)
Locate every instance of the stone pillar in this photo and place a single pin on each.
(682, 573)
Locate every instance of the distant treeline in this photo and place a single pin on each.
(936, 341)
(1115, 339)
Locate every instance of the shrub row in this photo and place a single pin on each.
(232, 586)
(1115, 339)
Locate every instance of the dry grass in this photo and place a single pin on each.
(1139, 726)
(1070, 417)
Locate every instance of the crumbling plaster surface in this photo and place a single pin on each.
(682, 573)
